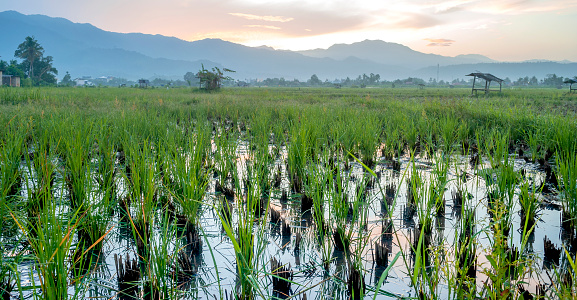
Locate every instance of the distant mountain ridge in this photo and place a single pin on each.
(393, 54)
(83, 49)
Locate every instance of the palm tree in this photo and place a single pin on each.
(29, 50)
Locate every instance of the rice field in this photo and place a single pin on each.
(271, 193)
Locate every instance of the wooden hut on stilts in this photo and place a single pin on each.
(488, 79)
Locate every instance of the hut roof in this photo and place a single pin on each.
(486, 76)
(570, 81)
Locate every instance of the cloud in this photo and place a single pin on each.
(263, 26)
(417, 21)
(262, 18)
(439, 42)
(519, 7)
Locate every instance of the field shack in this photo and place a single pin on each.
(488, 79)
(9, 80)
(571, 82)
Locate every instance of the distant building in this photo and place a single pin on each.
(80, 82)
(143, 83)
(9, 80)
(83, 82)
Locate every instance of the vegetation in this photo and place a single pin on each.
(276, 193)
(35, 65)
(211, 80)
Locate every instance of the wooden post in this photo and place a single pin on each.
(500, 86)
(473, 90)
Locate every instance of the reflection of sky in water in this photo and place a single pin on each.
(218, 253)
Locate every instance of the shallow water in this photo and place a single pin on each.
(310, 277)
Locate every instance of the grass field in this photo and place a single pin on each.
(253, 193)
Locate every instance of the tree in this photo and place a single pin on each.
(30, 50)
(67, 80)
(46, 72)
(212, 80)
(315, 80)
(12, 68)
(553, 80)
(38, 68)
(189, 77)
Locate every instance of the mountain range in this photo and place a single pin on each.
(85, 50)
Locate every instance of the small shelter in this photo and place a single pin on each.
(488, 79)
(9, 80)
(571, 82)
(143, 83)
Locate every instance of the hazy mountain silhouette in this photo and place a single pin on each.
(393, 54)
(83, 49)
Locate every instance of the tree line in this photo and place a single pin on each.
(364, 80)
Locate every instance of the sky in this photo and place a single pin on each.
(505, 30)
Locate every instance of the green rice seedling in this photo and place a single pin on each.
(10, 280)
(297, 151)
(159, 280)
(529, 204)
(360, 202)
(464, 136)
(414, 184)
(11, 148)
(51, 240)
(106, 169)
(368, 137)
(424, 229)
(77, 168)
(356, 281)
(418, 272)
(318, 177)
(564, 278)
(567, 171)
(390, 142)
(448, 126)
(411, 135)
(342, 233)
(246, 239)
(508, 264)
(41, 169)
(190, 183)
(256, 174)
(142, 193)
(534, 139)
(439, 183)
(225, 157)
(495, 146)
(466, 255)
(262, 161)
(564, 136)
